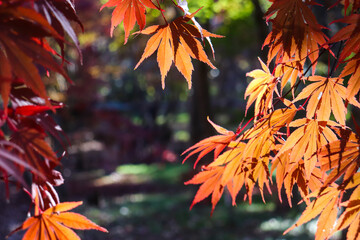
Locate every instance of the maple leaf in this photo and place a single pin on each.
(210, 180)
(45, 191)
(12, 164)
(325, 95)
(176, 42)
(23, 48)
(289, 72)
(262, 143)
(342, 156)
(261, 89)
(350, 34)
(129, 12)
(217, 174)
(355, 4)
(217, 143)
(235, 168)
(23, 67)
(290, 173)
(27, 105)
(36, 151)
(350, 217)
(59, 14)
(274, 121)
(227, 170)
(352, 68)
(30, 110)
(244, 164)
(304, 142)
(55, 223)
(325, 205)
(257, 156)
(295, 33)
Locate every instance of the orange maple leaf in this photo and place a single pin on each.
(325, 204)
(350, 217)
(352, 68)
(217, 143)
(325, 95)
(129, 11)
(290, 173)
(289, 72)
(306, 140)
(342, 156)
(176, 42)
(234, 169)
(295, 33)
(273, 121)
(210, 180)
(261, 144)
(55, 223)
(226, 171)
(261, 89)
(244, 164)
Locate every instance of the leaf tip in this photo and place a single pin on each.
(163, 83)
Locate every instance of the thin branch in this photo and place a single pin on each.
(336, 59)
(162, 12)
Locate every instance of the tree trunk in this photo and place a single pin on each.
(262, 28)
(200, 105)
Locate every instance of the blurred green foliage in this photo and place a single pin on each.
(163, 173)
(230, 9)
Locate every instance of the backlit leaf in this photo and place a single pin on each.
(176, 42)
(323, 199)
(352, 68)
(350, 34)
(129, 12)
(56, 221)
(295, 32)
(342, 156)
(261, 89)
(305, 141)
(325, 95)
(217, 143)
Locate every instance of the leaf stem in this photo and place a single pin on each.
(162, 12)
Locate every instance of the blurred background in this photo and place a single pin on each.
(127, 134)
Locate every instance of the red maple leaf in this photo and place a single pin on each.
(129, 12)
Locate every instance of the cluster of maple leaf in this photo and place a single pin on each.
(176, 42)
(26, 55)
(318, 153)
